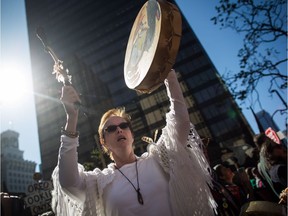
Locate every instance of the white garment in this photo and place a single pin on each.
(182, 173)
(120, 198)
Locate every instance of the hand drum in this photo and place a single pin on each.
(152, 46)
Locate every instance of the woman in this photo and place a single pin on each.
(169, 179)
(240, 192)
(275, 157)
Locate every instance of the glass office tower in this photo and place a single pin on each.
(90, 37)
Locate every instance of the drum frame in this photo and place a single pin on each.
(166, 51)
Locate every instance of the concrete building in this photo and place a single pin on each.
(91, 37)
(16, 173)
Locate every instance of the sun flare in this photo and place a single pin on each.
(13, 84)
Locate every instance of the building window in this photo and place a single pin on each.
(224, 126)
(153, 117)
(208, 93)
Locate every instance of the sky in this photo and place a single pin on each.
(17, 108)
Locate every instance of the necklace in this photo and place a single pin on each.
(139, 195)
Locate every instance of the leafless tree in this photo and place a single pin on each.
(263, 24)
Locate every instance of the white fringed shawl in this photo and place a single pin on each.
(189, 173)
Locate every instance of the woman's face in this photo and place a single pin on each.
(117, 135)
(227, 174)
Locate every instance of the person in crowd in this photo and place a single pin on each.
(169, 179)
(252, 157)
(263, 167)
(275, 157)
(251, 177)
(258, 181)
(260, 190)
(226, 203)
(238, 191)
(240, 177)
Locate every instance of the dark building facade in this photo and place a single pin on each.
(266, 120)
(91, 37)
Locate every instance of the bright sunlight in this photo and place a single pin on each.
(13, 84)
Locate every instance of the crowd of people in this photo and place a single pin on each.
(265, 182)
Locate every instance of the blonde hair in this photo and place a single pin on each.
(120, 111)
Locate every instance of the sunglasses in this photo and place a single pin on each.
(113, 128)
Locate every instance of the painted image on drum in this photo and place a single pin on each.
(142, 43)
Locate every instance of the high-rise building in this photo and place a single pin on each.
(91, 37)
(266, 120)
(16, 173)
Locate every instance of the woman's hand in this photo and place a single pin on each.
(283, 196)
(68, 98)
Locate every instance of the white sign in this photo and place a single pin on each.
(39, 197)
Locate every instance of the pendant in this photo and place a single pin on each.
(140, 198)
